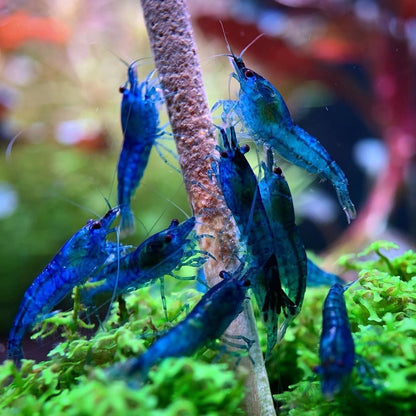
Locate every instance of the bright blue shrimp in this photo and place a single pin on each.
(318, 277)
(140, 124)
(205, 323)
(264, 113)
(336, 348)
(156, 257)
(242, 196)
(289, 249)
(75, 262)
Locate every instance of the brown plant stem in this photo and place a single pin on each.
(174, 50)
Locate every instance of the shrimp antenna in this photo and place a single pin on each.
(226, 41)
(174, 204)
(164, 211)
(75, 204)
(250, 44)
(232, 54)
(122, 60)
(125, 62)
(146, 58)
(208, 58)
(107, 202)
(348, 285)
(8, 152)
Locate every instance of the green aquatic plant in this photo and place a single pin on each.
(215, 391)
(72, 380)
(382, 312)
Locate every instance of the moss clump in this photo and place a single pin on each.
(72, 382)
(382, 313)
(178, 387)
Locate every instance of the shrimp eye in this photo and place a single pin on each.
(248, 73)
(278, 171)
(246, 283)
(168, 238)
(96, 225)
(224, 154)
(223, 274)
(122, 89)
(244, 149)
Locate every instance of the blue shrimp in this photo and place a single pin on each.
(318, 277)
(140, 124)
(289, 248)
(336, 348)
(77, 260)
(264, 113)
(157, 256)
(205, 323)
(242, 196)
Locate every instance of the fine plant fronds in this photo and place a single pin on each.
(382, 313)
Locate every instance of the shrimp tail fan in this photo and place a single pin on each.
(126, 222)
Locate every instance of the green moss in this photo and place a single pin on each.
(169, 392)
(72, 382)
(382, 313)
(381, 307)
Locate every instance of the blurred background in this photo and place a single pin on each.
(346, 69)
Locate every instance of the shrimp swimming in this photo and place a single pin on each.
(75, 262)
(265, 115)
(157, 256)
(205, 323)
(140, 124)
(336, 347)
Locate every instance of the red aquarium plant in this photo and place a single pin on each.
(20, 27)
